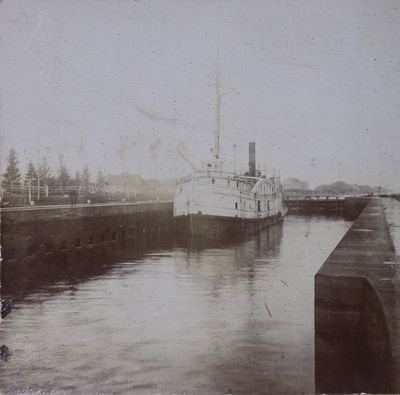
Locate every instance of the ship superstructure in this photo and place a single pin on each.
(212, 200)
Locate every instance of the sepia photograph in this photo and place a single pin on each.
(199, 197)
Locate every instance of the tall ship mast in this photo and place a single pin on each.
(213, 201)
(217, 118)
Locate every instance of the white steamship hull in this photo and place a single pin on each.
(209, 225)
(216, 202)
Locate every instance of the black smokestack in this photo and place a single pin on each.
(252, 159)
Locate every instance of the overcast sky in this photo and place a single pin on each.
(121, 84)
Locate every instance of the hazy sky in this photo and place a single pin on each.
(122, 84)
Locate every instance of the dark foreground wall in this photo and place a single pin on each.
(356, 310)
(44, 246)
(42, 232)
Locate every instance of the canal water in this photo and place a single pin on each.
(177, 317)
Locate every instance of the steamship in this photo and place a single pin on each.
(213, 201)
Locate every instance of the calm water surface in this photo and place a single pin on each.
(188, 317)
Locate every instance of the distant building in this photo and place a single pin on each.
(291, 184)
(124, 183)
(133, 186)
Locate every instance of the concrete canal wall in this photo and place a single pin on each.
(357, 306)
(50, 230)
(349, 206)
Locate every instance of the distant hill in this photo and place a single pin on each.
(345, 188)
(294, 184)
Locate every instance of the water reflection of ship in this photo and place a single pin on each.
(227, 255)
(217, 265)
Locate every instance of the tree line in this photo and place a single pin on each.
(43, 175)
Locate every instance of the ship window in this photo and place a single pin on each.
(229, 183)
(209, 165)
(236, 205)
(237, 184)
(259, 206)
(268, 205)
(213, 180)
